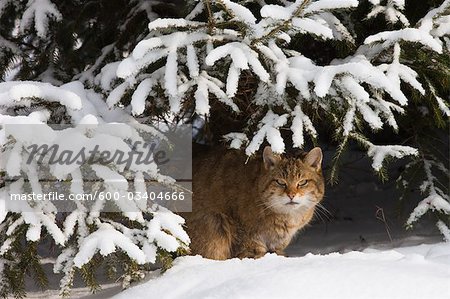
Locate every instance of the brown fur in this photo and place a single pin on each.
(240, 210)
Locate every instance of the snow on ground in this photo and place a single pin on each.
(412, 272)
(108, 290)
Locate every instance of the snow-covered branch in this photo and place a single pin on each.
(94, 128)
(392, 11)
(39, 12)
(436, 200)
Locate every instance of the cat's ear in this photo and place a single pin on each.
(269, 158)
(314, 158)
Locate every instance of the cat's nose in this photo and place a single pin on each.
(291, 195)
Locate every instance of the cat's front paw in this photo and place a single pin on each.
(252, 253)
(278, 252)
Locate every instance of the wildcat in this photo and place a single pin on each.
(248, 209)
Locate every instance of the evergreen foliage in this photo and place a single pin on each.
(374, 73)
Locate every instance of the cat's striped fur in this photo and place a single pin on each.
(248, 209)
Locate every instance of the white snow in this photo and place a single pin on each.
(232, 80)
(312, 26)
(442, 106)
(192, 61)
(349, 118)
(105, 240)
(196, 11)
(140, 95)
(362, 70)
(269, 129)
(146, 45)
(410, 273)
(241, 56)
(444, 229)
(275, 12)
(433, 202)
(340, 32)
(108, 128)
(396, 71)
(284, 13)
(88, 75)
(156, 234)
(39, 12)
(392, 11)
(330, 4)
(15, 91)
(300, 123)
(443, 26)
(115, 95)
(236, 139)
(240, 12)
(201, 98)
(407, 34)
(170, 80)
(426, 23)
(379, 152)
(170, 23)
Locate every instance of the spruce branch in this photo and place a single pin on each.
(211, 20)
(334, 177)
(284, 25)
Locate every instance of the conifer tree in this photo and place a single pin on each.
(288, 73)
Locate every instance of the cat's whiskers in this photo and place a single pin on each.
(321, 215)
(267, 205)
(322, 211)
(317, 213)
(325, 210)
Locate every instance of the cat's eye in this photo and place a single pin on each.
(281, 183)
(302, 183)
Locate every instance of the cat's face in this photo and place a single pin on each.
(292, 184)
